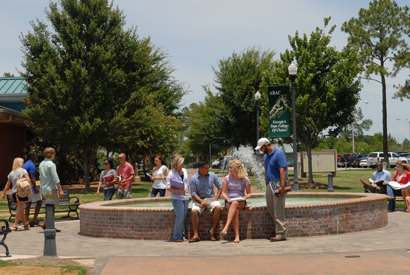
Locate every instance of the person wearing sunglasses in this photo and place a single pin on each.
(108, 177)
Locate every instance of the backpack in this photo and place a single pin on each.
(23, 186)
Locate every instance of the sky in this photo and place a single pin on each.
(196, 34)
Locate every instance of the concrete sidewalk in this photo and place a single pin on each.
(70, 244)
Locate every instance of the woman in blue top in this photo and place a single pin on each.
(233, 191)
(179, 197)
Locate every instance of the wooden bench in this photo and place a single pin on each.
(64, 201)
(4, 230)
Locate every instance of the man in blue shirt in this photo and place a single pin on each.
(380, 176)
(276, 167)
(202, 191)
(36, 196)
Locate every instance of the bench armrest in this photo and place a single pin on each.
(75, 197)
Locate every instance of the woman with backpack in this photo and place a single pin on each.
(17, 173)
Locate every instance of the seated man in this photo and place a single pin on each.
(202, 191)
(379, 177)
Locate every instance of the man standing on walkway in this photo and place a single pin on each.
(276, 168)
(202, 191)
(126, 173)
(36, 196)
(49, 180)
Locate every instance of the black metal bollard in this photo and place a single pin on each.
(50, 245)
(330, 183)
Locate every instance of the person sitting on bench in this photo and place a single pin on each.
(379, 176)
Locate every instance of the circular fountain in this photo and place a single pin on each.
(339, 213)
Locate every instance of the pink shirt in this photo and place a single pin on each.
(125, 171)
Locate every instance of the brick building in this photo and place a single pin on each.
(13, 132)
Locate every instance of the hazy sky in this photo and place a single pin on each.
(196, 34)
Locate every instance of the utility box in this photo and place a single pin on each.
(322, 161)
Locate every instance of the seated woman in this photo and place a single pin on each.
(402, 176)
(234, 186)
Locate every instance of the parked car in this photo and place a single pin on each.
(363, 163)
(290, 162)
(402, 154)
(359, 157)
(339, 160)
(374, 157)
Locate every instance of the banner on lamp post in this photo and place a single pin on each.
(279, 125)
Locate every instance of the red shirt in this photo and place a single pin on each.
(125, 171)
(404, 178)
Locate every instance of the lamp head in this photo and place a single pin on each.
(293, 69)
(258, 95)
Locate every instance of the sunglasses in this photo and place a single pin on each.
(120, 158)
(106, 163)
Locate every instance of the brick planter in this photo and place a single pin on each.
(361, 212)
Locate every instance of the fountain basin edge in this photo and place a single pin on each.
(362, 211)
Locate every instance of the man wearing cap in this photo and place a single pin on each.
(276, 167)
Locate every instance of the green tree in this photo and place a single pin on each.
(8, 74)
(205, 126)
(237, 79)
(327, 87)
(89, 77)
(378, 31)
(359, 125)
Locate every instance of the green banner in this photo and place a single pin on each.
(279, 105)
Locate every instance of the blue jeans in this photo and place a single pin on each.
(108, 193)
(155, 191)
(393, 193)
(180, 208)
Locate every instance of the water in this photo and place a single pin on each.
(256, 201)
(250, 161)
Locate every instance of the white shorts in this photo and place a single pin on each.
(35, 197)
(197, 206)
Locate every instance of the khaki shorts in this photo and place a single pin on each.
(124, 193)
(55, 196)
(197, 206)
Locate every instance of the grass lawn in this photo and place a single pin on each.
(33, 269)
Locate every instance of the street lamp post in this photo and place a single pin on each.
(257, 97)
(367, 102)
(406, 119)
(293, 69)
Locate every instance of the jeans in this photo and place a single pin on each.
(393, 193)
(108, 193)
(180, 208)
(155, 191)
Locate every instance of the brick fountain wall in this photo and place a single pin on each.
(361, 212)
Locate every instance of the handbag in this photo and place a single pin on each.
(23, 186)
(275, 185)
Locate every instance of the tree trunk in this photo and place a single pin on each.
(385, 145)
(86, 171)
(309, 153)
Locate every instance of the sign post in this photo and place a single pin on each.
(279, 125)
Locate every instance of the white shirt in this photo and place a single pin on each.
(161, 183)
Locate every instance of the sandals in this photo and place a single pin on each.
(194, 240)
(236, 241)
(224, 232)
(211, 236)
(33, 224)
(15, 228)
(27, 227)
